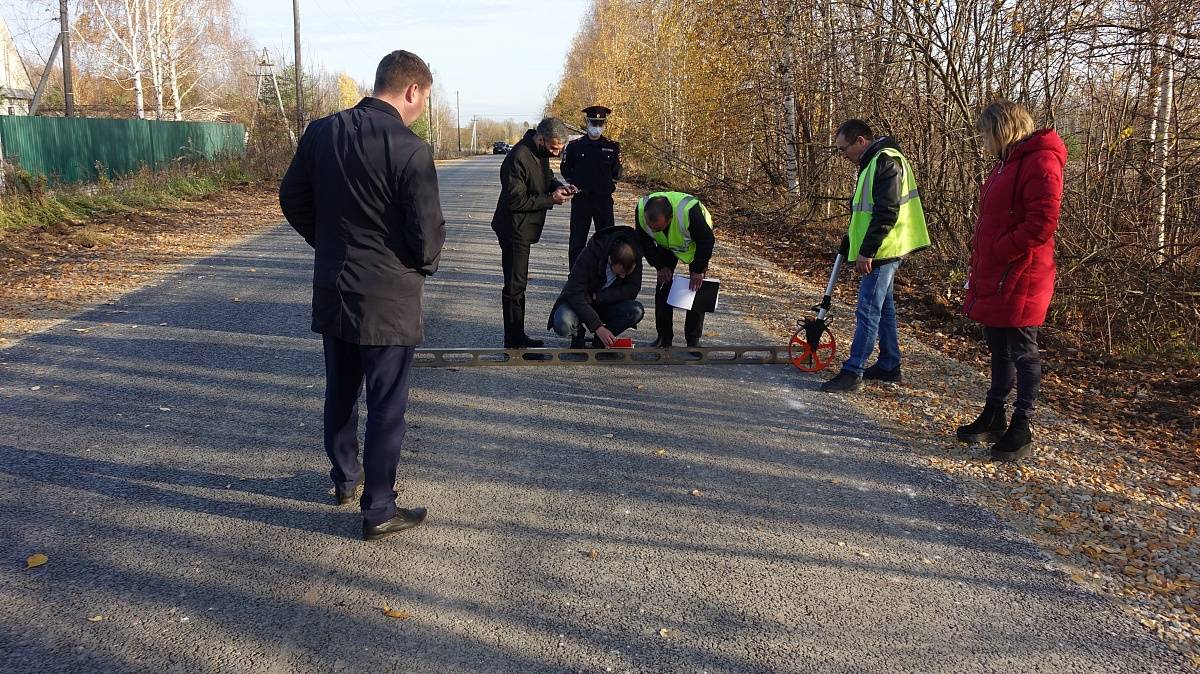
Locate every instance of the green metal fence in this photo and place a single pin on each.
(76, 150)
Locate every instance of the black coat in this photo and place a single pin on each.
(593, 166)
(585, 285)
(526, 188)
(363, 192)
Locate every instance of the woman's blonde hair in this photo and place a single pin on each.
(1003, 124)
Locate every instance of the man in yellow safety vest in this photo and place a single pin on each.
(674, 227)
(886, 224)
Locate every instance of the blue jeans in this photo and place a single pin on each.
(875, 320)
(618, 317)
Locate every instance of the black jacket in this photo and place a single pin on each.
(592, 165)
(526, 186)
(363, 192)
(663, 258)
(886, 193)
(585, 285)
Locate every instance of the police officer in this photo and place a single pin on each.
(592, 164)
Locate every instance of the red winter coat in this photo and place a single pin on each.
(1012, 253)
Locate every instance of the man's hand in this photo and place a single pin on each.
(696, 280)
(863, 265)
(665, 275)
(561, 195)
(606, 336)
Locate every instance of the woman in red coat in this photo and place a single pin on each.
(1011, 276)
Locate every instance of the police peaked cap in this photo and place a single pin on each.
(597, 113)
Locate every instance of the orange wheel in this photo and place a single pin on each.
(809, 359)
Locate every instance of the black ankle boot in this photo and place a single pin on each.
(988, 427)
(1017, 441)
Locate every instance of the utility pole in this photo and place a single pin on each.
(68, 80)
(474, 136)
(299, 70)
(458, 120)
(41, 87)
(430, 102)
(267, 69)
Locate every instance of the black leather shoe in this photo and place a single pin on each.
(405, 519)
(579, 342)
(661, 342)
(693, 342)
(876, 373)
(346, 498)
(844, 382)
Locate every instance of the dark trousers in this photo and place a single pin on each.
(514, 258)
(617, 317)
(385, 370)
(664, 318)
(1015, 361)
(585, 209)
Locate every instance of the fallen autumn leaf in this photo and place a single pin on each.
(396, 613)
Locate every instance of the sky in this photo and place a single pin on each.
(501, 55)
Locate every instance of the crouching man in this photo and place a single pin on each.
(601, 291)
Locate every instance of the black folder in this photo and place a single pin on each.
(706, 296)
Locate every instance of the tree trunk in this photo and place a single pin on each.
(789, 124)
(1161, 138)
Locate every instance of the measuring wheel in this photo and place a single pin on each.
(813, 347)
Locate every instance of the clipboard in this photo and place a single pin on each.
(705, 299)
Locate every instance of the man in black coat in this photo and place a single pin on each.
(528, 189)
(363, 192)
(602, 289)
(593, 165)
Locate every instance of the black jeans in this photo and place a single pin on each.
(585, 209)
(514, 258)
(664, 317)
(618, 317)
(385, 370)
(1015, 361)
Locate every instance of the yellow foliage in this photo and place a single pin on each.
(348, 91)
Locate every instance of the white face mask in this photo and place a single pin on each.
(594, 131)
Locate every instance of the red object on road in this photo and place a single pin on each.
(622, 343)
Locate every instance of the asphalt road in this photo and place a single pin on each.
(164, 451)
